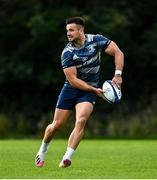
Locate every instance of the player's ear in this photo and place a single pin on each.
(81, 31)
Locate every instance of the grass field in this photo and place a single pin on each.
(116, 159)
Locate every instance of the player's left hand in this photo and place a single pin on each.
(117, 79)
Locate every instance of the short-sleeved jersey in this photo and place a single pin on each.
(86, 59)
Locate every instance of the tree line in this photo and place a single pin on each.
(32, 37)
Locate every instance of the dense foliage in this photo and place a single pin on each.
(32, 36)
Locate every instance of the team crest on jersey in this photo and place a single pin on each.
(91, 48)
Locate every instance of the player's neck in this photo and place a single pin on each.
(80, 42)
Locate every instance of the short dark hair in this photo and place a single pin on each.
(76, 20)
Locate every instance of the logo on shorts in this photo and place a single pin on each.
(93, 102)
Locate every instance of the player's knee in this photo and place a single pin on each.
(56, 125)
(80, 122)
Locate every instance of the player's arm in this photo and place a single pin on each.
(71, 75)
(114, 50)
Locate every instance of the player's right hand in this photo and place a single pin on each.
(99, 92)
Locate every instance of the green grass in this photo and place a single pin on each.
(123, 159)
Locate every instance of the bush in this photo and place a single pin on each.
(4, 126)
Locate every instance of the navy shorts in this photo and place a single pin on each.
(70, 96)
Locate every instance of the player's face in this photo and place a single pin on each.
(73, 32)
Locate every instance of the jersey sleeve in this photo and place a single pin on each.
(67, 59)
(102, 41)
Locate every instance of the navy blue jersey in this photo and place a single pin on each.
(86, 59)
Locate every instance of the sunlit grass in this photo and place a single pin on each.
(93, 159)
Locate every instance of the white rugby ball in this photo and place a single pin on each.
(112, 93)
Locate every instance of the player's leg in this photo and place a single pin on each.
(83, 112)
(60, 118)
